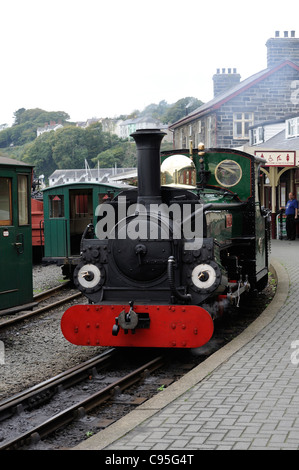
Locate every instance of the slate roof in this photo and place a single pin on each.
(279, 142)
(227, 95)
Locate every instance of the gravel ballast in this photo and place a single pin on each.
(35, 349)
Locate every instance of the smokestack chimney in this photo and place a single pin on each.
(148, 142)
(224, 81)
(282, 48)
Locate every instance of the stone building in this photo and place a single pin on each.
(268, 95)
(278, 143)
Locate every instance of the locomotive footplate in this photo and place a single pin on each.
(162, 326)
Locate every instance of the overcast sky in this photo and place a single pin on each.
(103, 58)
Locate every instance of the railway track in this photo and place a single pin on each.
(39, 298)
(29, 401)
(25, 407)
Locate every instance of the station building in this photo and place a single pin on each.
(259, 115)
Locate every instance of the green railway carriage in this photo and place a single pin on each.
(68, 210)
(16, 288)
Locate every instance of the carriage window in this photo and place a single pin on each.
(5, 201)
(56, 205)
(81, 204)
(23, 200)
(228, 173)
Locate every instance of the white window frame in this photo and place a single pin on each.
(257, 135)
(292, 128)
(246, 120)
(209, 131)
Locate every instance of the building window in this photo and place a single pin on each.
(257, 135)
(292, 127)
(242, 122)
(181, 138)
(209, 132)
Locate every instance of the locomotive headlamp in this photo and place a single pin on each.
(204, 276)
(89, 277)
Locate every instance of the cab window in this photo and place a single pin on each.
(23, 203)
(228, 173)
(5, 201)
(56, 205)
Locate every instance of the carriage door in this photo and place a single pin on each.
(16, 242)
(81, 214)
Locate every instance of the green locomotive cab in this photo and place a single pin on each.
(227, 184)
(16, 287)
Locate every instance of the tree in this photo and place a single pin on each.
(39, 116)
(40, 154)
(5, 138)
(69, 147)
(156, 110)
(180, 109)
(26, 123)
(123, 155)
(18, 116)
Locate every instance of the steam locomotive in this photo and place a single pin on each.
(164, 260)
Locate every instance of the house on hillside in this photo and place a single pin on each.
(268, 95)
(53, 126)
(129, 126)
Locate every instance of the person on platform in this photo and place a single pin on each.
(291, 216)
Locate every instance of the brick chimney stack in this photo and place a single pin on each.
(284, 46)
(225, 80)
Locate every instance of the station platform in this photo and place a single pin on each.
(245, 396)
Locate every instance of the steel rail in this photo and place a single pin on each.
(38, 311)
(42, 391)
(47, 293)
(76, 411)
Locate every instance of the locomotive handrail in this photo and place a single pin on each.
(175, 293)
(219, 206)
